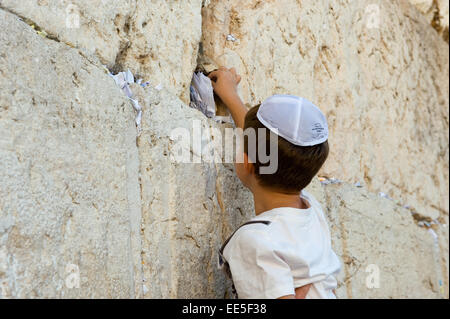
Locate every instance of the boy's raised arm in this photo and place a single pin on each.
(225, 82)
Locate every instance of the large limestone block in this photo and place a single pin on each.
(188, 209)
(69, 195)
(429, 8)
(158, 40)
(379, 71)
(384, 253)
(436, 12)
(444, 18)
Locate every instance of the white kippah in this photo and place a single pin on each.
(297, 120)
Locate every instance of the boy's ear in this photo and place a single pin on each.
(248, 165)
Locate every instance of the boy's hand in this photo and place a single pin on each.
(225, 82)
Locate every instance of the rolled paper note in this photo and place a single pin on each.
(207, 65)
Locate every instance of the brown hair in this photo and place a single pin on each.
(297, 165)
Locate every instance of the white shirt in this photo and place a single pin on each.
(270, 261)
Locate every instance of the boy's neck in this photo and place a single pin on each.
(266, 200)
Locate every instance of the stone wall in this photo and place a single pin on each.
(156, 39)
(69, 171)
(436, 12)
(80, 193)
(381, 87)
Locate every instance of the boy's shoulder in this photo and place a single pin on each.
(268, 230)
(251, 237)
(257, 228)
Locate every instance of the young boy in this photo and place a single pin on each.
(285, 251)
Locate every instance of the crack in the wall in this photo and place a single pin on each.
(172, 230)
(436, 22)
(125, 43)
(346, 283)
(32, 24)
(50, 36)
(134, 189)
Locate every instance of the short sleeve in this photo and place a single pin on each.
(258, 270)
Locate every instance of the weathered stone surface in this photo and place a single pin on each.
(375, 237)
(188, 209)
(379, 238)
(157, 40)
(78, 188)
(69, 181)
(379, 72)
(436, 12)
(443, 235)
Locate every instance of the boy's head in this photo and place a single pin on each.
(302, 135)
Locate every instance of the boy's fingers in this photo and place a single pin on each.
(213, 75)
(237, 77)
